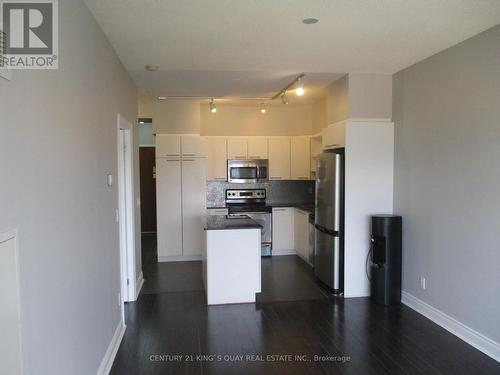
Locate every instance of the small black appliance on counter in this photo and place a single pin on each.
(385, 262)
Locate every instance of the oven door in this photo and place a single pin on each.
(240, 171)
(264, 219)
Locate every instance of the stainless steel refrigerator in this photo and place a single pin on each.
(329, 220)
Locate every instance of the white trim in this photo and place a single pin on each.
(109, 356)
(469, 335)
(8, 235)
(138, 285)
(126, 222)
(179, 258)
(283, 252)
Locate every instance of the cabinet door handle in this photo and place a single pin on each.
(172, 154)
(240, 157)
(188, 160)
(280, 209)
(188, 154)
(275, 178)
(303, 178)
(332, 145)
(254, 157)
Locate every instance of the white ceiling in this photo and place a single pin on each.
(254, 47)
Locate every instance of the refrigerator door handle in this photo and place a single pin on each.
(321, 228)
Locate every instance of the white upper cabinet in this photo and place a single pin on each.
(300, 153)
(216, 159)
(237, 148)
(334, 136)
(193, 146)
(257, 148)
(279, 158)
(168, 146)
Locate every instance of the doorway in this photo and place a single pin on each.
(147, 173)
(126, 210)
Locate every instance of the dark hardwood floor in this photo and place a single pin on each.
(170, 330)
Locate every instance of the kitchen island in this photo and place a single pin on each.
(231, 259)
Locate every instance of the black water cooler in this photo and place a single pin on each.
(385, 265)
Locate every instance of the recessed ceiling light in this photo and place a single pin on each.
(152, 68)
(162, 98)
(310, 21)
(263, 108)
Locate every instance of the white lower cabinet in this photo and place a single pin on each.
(169, 207)
(283, 237)
(301, 233)
(193, 205)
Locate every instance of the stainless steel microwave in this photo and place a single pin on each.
(247, 171)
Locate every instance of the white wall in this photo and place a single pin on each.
(319, 116)
(57, 143)
(248, 120)
(447, 176)
(176, 117)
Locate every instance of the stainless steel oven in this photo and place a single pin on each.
(252, 202)
(247, 171)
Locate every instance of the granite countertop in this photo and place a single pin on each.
(222, 222)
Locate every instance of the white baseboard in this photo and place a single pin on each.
(180, 258)
(284, 252)
(469, 335)
(357, 295)
(109, 357)
(138, 285)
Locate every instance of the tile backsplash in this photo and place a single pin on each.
(276, 191)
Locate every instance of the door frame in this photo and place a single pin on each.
(126, 217)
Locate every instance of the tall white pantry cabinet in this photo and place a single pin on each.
(180, 195)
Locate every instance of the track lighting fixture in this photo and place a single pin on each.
(213, 107)
(263, 108)
(300, 87)
(284, 98)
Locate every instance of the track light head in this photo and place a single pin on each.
(213, 107)
(300, 87)
(284, 98)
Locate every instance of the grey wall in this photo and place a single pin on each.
(57, 143)
(337, 100)
(447, 176)
(370, 95)
(358, 95)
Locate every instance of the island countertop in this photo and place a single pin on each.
(223, 222)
